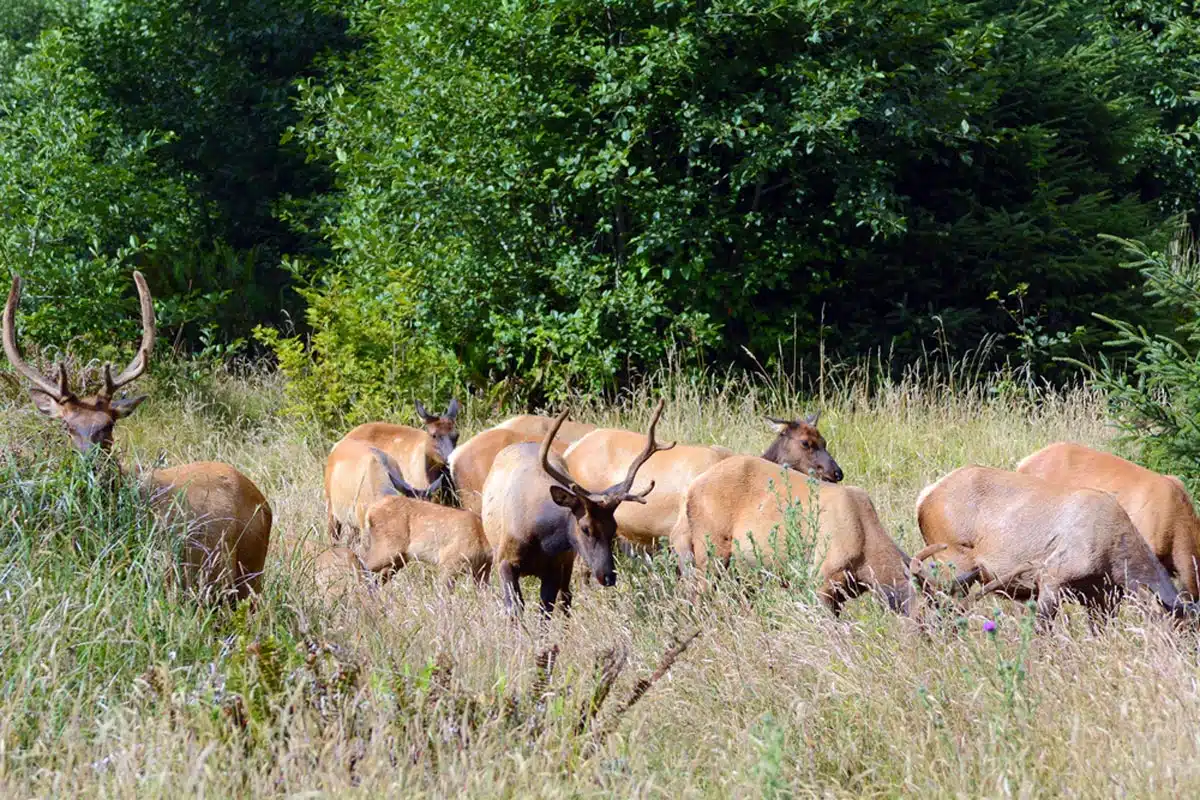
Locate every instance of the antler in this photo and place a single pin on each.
(623, 489)
(558, 475)
(60, 392)
(142, 360)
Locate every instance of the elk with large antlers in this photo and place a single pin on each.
(229, 520)
(537, 517)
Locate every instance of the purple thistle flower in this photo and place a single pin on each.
(989, 626)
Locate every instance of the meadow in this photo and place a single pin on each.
(112, 684)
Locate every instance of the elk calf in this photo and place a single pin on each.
(738, 508)
(401, 528)
(1030, 538)
(537, 517)
(1158, 505)
(229, 519)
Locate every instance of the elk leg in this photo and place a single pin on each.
(335, 527)
(1049, 598)
(550, 587)
(832, 596)
(510, 582)
(564, 590)
(1186, 568)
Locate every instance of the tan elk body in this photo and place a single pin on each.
(1158, 505)
(599, 459)
(229, 520)
(739, 508)
(536, 426)
(471, 463)
(1031, 538)
(537, 517)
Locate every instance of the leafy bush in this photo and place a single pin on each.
(579, 187)
(1154, 393)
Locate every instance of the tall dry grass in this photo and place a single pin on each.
(114, 686)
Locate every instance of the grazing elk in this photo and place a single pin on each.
(1028, 538)
(535, 427)
(1158, 505)
(596, 460)
(741, 505)
(537, 517)
(355, 479)
(471, 463)
(229, 521)
(401, 528)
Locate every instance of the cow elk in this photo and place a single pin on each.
(744, 505)
(405, 527)
(536, 426)
(1158, 505)
(471, 463)
(537, 517)
(597, 459)
(422, 453)
(1029, 538)
(229, 521)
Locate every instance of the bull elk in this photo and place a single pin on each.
(537, 517)
(405, 526)
(1029, 538)
(471, 463)
(1158, 505)
(228, 518)
(596, 459)
(739, 507)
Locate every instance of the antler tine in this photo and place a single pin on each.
(555, 473)
(142, 360)
(11, 350)
(652, 447)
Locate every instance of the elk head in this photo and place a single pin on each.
(443, 429)
(595, 527)
(89, 420)
(801, 446)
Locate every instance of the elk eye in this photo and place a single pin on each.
(807, 444)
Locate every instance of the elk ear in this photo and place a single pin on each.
(566, 498)
(453, 409)
(46, 404)
(126, 405)
(423, 414)
(779, 425)
(812, 419)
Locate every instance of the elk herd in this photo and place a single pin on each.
(529, 496)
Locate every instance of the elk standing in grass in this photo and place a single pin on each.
(471, 463)
(229, 521)
(537, 517)
(1030, 538)
(744, 505)
(1158, 505)
(598, 458)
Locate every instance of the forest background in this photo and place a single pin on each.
(533, 199)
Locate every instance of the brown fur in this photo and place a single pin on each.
(402, 529)
(600, 459)
(229, 530)
(471, 463)
(1032, 538)
(1158, 505)
(354, 480)
(412, 448)
(536, 426)
(742, 499)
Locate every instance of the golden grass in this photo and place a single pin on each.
(429, 692)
